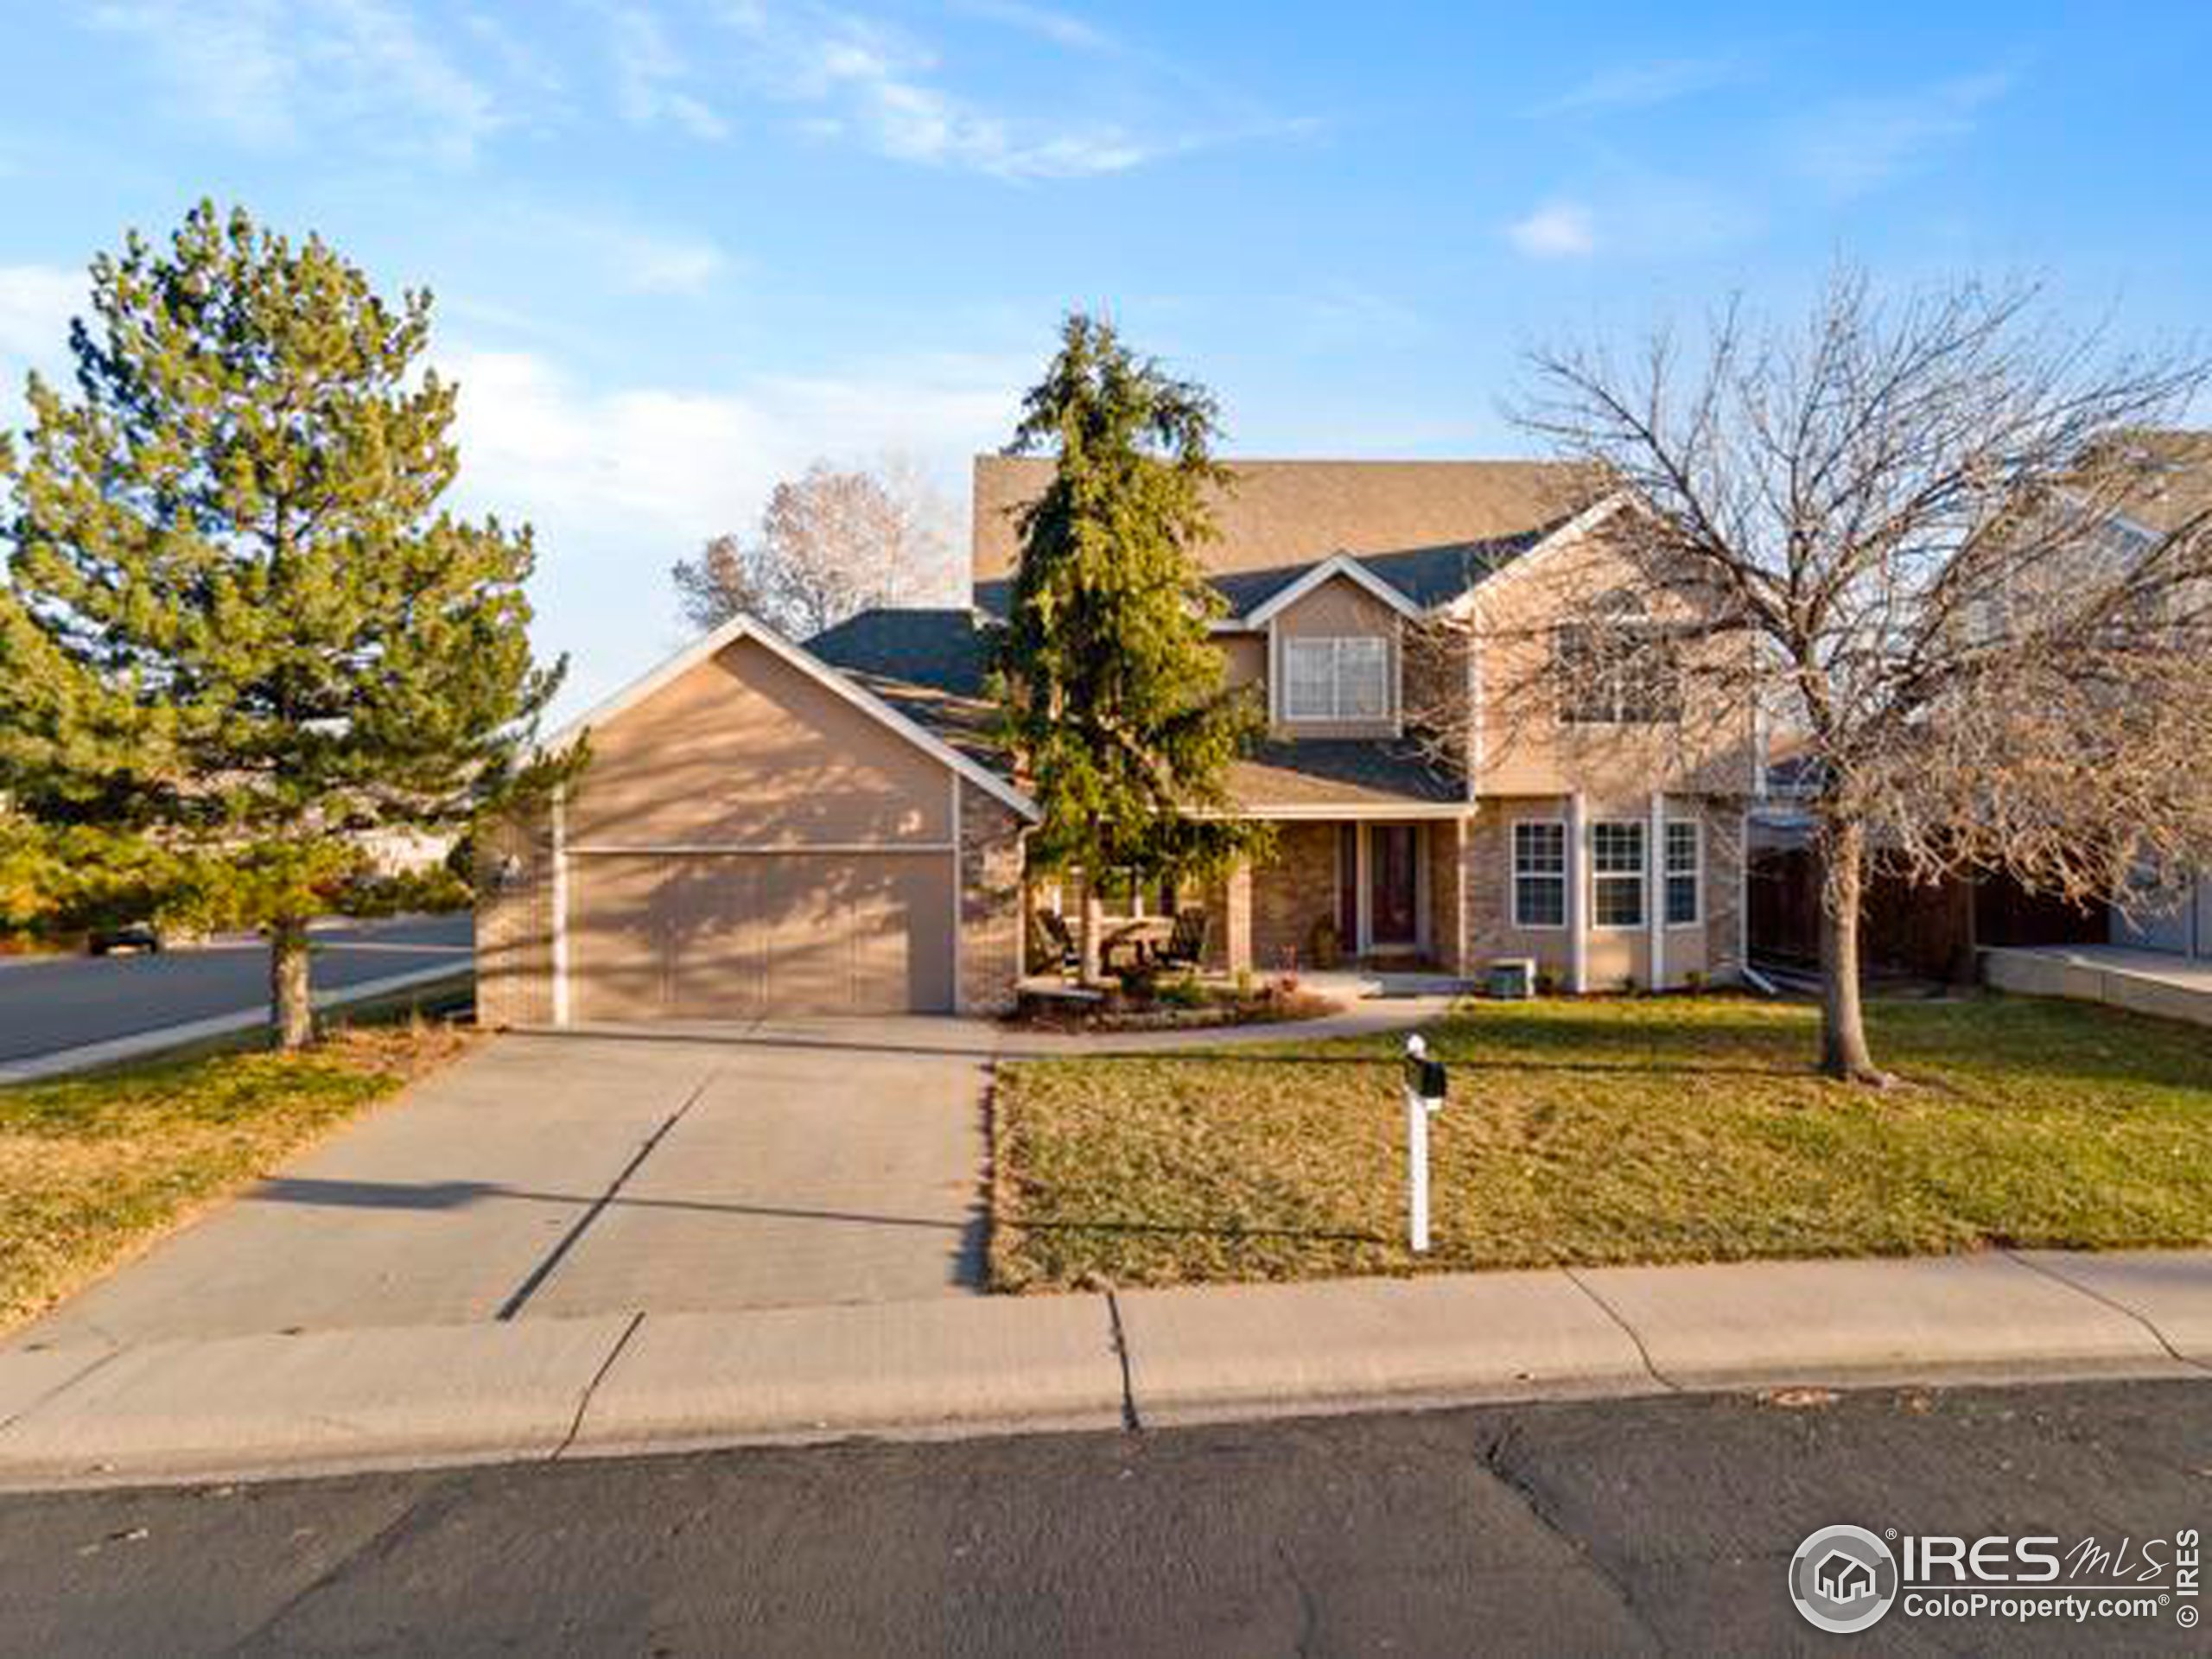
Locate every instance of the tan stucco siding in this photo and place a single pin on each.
(1522, 747)
(745, 749)
(1244, 660)
(1338, 608)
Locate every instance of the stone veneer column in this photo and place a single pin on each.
(1447, 920)
(1236, 918)
(514, 924)
(990, 903)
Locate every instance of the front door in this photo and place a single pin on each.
(1393, 920)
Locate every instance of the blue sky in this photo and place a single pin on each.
(680, 247)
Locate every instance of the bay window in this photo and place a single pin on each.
(1617, 874)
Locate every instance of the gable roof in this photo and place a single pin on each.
(1340, 564)
(907, 722)
(1288, 514)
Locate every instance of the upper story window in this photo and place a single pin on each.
(1336, 679)
(1617, 668)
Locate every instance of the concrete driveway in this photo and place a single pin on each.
(829, 1161)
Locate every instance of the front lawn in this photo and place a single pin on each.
(92, 1168)
(1669, 1130)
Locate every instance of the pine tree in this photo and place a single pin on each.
(236, 625)
(1111, 690)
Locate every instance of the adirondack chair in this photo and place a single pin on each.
(1060, 948)
(1186, 947)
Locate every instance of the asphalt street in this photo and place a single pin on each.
(1620, 1527)
(57, 1002)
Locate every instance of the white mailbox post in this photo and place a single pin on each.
(1425, 1086)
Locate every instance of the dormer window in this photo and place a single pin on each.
(1333, 680)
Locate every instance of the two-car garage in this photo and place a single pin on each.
(753, 835)
(736, 935)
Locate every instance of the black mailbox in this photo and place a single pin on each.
(1424, 1077)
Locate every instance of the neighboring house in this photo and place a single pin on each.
(768, 829)
(1937, 931)
(2181, 922)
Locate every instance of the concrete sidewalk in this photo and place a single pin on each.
(268, 1405)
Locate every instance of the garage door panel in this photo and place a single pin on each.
(617, 957)
(739, 937)
(716, 947)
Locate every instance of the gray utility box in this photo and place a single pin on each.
(1513, 979)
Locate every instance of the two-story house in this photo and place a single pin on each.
(1455, 774)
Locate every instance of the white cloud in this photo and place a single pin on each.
(36, 302)
(618, 253)
(1641, 86)
(649, 77)
(1558, 230)
(621, 482)
(873, 84)
(1061, 29)
(1856, 144)
(269, 72)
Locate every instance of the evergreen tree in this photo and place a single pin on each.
(235, 627)
(1111, 690)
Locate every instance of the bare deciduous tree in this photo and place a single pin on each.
(832, 543)
(1925, 519)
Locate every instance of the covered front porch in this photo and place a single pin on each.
(1335, 893)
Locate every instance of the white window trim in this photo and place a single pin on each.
(1696, 826)
(1565, 876)
(1641, 875)
(1336, 716)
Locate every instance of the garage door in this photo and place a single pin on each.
(741, 935)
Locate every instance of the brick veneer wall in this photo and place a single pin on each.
(991, 902)
(514, 924)
(1293, 891)
(1724, 887)
(1446, 878)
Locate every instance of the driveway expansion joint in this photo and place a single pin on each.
(536, 1279)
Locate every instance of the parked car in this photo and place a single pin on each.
(126, 935)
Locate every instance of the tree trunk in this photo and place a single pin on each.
(291, 1014)
(1844, 1053)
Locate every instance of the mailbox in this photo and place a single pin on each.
(1425, 1077)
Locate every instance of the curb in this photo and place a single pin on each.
(532, 1389)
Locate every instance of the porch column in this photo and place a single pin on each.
(1236, 917)
(1578, 899)
(1448, 850)
(1655, 887)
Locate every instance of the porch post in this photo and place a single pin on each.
(1236, 917)
(1578, 902)
(1655, 887)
